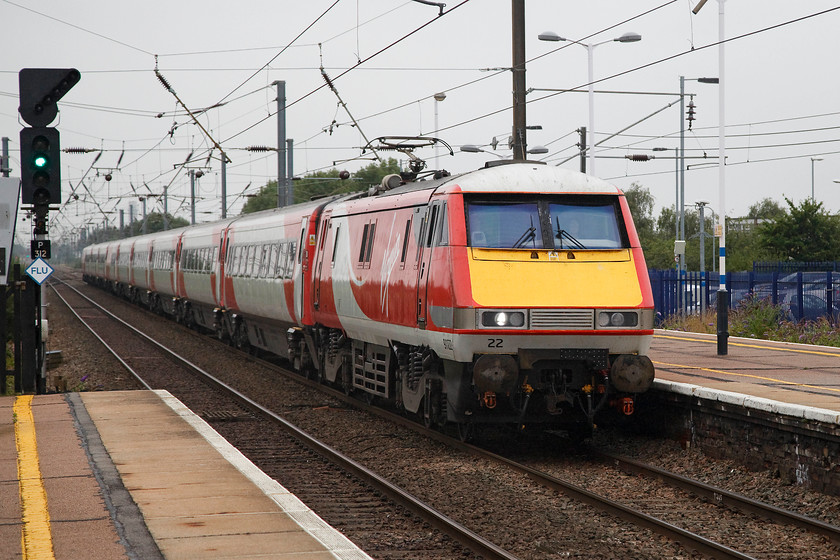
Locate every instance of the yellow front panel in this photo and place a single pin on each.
(523, 278)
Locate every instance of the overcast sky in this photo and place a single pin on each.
(782, 91)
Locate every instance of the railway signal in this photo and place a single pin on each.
(40, 159)
(40, 146)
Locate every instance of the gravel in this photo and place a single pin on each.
(85, 367)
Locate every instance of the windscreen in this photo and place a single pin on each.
(547, 222)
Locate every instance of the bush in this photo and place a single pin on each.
(757, 317)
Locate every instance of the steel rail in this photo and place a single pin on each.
(686, 538)
(723, 497)
(476, 543)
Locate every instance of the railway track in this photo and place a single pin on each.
(158, 367)
(708, 546)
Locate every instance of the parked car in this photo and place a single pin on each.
(813, 307)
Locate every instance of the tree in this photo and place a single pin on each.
(805, 233)
(641, 203)
(323, 183)
(767, 209)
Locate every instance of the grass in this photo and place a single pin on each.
(758, 318)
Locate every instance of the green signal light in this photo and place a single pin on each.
(40, 161)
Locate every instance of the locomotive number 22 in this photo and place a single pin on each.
(495, 343)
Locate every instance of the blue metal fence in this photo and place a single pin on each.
(802, 295)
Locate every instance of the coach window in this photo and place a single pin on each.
(364, 244)
(282, 256)
(264, 260)
(300, 247)
(368, 235)
(250, 255)
(442, 237)
(272, 260)
(239, 263)
(405, 242)
(233, 260)
(335, 244)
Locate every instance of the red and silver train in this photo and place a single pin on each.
(515, 294)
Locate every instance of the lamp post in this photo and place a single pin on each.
(440, 96)
(723, 295)
(590, 48)
(813, 159)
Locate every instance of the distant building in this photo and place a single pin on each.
(744, 224)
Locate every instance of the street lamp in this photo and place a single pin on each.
(440, 96)
(590, 48)
(813, 159)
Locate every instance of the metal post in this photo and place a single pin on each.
(677, 197)
(582, 131)
(702, 206)
(192, 197)
(681, 202)
(590, 51)
(145, 227)
(4, 158)
(520, 144)
(723, 295)
(813, 159)
(438, 97)
(281, 143)
(224, 188)
(290, 188)
(165, 208)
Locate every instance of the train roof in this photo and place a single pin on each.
(531, 177)
(510, 177)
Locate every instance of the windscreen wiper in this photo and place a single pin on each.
(563, 234)
(526, 237)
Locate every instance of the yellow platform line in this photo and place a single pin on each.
(758, 346)
(749, 375)
(36, 537)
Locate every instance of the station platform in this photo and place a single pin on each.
(136, 475)
(797, 380)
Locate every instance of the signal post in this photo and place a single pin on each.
(40, 191)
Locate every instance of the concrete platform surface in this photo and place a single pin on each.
(797, 379)
(135, 474)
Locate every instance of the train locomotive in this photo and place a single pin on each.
(514, 294)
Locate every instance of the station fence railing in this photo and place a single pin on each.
(801, 295)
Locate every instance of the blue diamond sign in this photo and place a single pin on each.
(39, 270)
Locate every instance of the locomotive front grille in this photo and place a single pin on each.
(562, 319)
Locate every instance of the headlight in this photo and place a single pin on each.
(502, 319)
(618, 319)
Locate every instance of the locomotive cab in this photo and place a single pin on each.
(550, 314)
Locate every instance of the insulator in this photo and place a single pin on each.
(639, 157)
(259, 149)
(163, 81)
(691, 112)
(78, 150)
